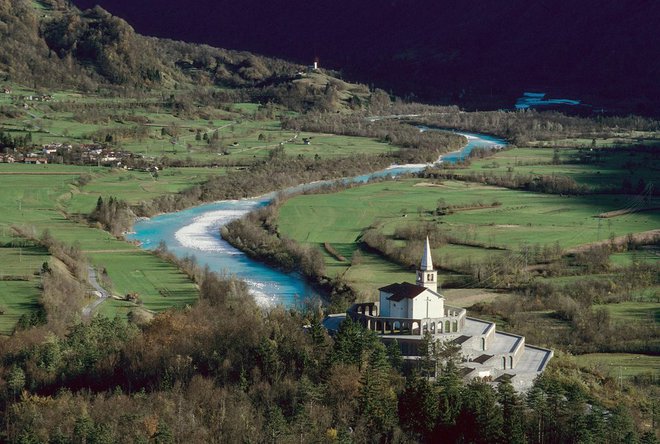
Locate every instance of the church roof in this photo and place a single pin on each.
(427, 260)
(404, 290)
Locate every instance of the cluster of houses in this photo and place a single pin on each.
(31, 98)
(27, 98)
(79, 154)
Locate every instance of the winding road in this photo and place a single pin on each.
(89, 308)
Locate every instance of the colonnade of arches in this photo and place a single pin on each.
(434, 327)
(394, 326)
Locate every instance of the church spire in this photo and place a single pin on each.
(426, 275)
(427, 260)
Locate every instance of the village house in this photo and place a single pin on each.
(53, 148)
(407, 313)
(35, 160)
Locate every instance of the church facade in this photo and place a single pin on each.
(407, 312)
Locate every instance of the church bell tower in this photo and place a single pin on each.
(426, 276)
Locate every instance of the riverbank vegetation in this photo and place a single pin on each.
(529, 126)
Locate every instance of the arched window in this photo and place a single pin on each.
(504, 363)
(510, 361)
(483, 343)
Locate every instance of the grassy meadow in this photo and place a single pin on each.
(38, 197)
(230, 135)
(622, 365)
(52, 197)
(597, 167)
(492, 225)
(518, 218)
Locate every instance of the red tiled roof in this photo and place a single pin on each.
(401, 291)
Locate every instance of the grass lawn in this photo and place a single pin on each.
(142, 272)
(519, 218)
(608, 170)
(621, 364)
(637, 312)
(36, 197)
(649, 254)
(135, 186)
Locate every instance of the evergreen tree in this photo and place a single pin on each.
(418, 408)
(513, 425)
(621, 428)
(449, 385)
(377, 401)
(394, 355)
(83, 429)
(480, 420)
(538, 405)
(163, 434)
(353, 343)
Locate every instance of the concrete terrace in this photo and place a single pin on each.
(535, 359)
(504, 343)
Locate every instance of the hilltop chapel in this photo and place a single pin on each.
(406, 312)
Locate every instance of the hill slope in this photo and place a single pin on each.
(51, 44)
(468, 52)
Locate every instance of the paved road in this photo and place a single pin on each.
(89, 309)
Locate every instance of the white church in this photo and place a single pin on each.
(406, 312)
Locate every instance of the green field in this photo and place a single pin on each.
(19, 296)
(622, 365)
(649, 254)
(606, 169)
(145, 127)
(38, 197)
(521, 217)
(637, 312)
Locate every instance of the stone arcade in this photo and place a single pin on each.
(405, 312)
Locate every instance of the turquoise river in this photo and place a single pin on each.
(196, 232)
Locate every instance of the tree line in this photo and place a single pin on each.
(278, 172)
(199, 375)
(521, 127)
(413, 145)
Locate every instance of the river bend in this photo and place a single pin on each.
(196, 232)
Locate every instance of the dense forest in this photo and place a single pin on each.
(200, 375)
